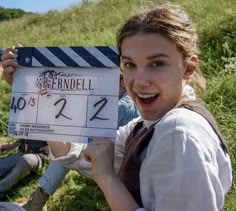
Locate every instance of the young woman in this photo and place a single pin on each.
(180, 162)
(173, 157)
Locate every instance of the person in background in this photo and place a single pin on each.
(50, 181)
(30, 157)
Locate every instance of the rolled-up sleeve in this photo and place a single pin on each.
(76, 161)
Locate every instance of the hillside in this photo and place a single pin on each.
(96, 24)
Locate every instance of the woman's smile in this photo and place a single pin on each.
(147, 99)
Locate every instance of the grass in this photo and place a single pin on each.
(221, 101)
(96, 24)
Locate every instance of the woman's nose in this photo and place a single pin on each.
(142, 78)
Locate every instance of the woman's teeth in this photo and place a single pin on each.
(146, 95)
(148, 98)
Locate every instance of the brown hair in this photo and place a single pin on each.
(174, 23)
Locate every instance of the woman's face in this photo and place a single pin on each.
(154, 72)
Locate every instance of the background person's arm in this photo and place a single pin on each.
(7, 147)
(59, 149)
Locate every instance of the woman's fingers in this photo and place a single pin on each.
(8, 70)
(19, 45)
(8, 55)
(87, 157)
(100, 153)
(8, 74)
(9, 64)
(98, 147)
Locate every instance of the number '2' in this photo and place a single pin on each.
(63, 106)
(104, 101)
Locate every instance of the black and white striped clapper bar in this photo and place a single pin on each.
(91, 56)
(65, 93)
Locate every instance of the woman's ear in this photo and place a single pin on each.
(191, 66)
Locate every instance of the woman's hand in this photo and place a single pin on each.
(8, 64)
(100, 153)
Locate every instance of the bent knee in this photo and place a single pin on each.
(31, 160)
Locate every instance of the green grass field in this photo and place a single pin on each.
(96, 24)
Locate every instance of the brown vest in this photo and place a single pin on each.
(138, 141)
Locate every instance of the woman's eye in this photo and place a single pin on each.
(128, 65)
(157, 64)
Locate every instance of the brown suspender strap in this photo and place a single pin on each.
(199, 107)
(129, 170)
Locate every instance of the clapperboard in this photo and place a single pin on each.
(65, 93)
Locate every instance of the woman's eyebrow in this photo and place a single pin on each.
(158, 56)
(149, 57)
(125, 57)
